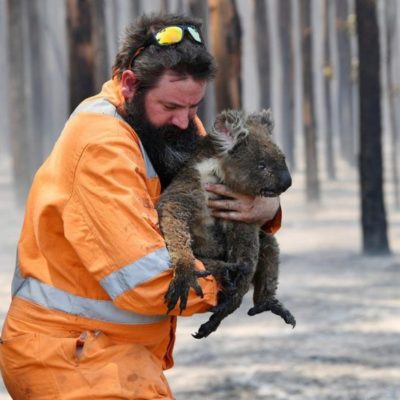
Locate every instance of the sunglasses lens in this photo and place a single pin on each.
(195, 34)
(169, 35)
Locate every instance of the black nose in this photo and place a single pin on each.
(285, 180)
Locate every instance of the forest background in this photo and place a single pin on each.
(329, 71)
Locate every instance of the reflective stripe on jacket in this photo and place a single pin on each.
(90, 248)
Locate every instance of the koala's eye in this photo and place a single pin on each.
(262, 165)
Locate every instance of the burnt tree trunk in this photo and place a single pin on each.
(373, 216)
(81, 51)
(102, 69)
(226, 34)
(328, 76)
(262, 45)
(285, 33)
(206, 112)
(391, 76)
(310, 137)
(20, 141)
(347, 133)
(164, 7)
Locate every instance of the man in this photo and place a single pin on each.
(88, 318)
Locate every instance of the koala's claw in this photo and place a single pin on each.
(179, 287)
(207, 328)
(276, 307)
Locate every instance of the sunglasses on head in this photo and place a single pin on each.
(170, 35)
(175, 34)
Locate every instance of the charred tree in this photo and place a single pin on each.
(36, 83)
(136, 6)
(310, 136)
(262, 45)
(102, 69)
(19, 87)
(164, 7)
(373, 215)
(328, 76)
(226, 40)
(81, 51)
(392, 74)
(206, 112)
(347, 133)
(285, 33)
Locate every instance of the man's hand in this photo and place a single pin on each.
(241, 207)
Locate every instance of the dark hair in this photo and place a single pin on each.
(184, 58)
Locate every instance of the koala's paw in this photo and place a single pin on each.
(207, 328)
(276, 307)
(179, 287)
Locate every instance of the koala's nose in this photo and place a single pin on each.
(285, 180)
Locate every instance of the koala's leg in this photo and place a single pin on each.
(265, 281)
(226, 273)
(242, 255)
(227, 304)
(175, 228)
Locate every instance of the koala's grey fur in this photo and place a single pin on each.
(240, 153)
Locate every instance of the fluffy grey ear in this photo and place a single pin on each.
(228, 130)
(263, 119)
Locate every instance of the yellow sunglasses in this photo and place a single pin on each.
(169, 35)
(175, 34)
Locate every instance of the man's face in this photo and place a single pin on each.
(163, 118)
(174, 101)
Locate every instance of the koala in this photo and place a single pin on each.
(238, 152)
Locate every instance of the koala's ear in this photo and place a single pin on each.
(263, 119)
(228, 130)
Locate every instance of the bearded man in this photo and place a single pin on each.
(88, 317)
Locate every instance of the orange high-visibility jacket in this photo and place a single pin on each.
(90, 252)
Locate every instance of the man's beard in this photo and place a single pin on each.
(168, 146)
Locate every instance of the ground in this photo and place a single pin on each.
(346, 342)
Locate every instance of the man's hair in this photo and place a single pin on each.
(184, 58)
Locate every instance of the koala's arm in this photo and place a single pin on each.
(176, 209)
(174, 223)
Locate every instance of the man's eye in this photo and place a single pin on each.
(167, 107)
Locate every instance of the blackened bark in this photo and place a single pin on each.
(226, 41)
(285, 33)
(347, 133)
(199, 9)
(81, 51)
(310, 137)
(20, 141)
(390, 9)
(102, 69)
(373, 216)
(328, 75)
(262, 52)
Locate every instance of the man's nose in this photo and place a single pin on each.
(181, 119)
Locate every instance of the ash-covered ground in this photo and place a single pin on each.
(346, 345)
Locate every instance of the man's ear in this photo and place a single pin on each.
(128, 83)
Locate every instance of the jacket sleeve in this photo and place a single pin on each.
(272, 226)
(113, 226)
